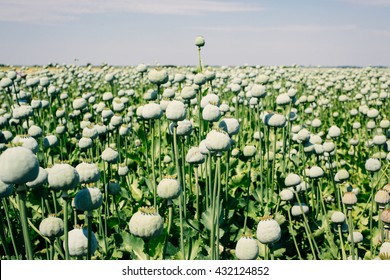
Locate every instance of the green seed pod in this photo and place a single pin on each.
(146, 223)
(88, 199)
(247, 248)
(51, 227)
(78, 242)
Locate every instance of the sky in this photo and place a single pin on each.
(237, 32)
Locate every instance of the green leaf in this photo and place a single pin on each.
(117, 254)
(192, 249)
(279, 252)
(135, 191)
(156, 247)
(207, 220)
(129, 243)
(149, 184)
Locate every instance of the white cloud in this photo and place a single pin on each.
(65, 10)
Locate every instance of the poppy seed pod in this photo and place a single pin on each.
(168, 93)
(247, 248)
(22, 112)
(199, 41)
(286, 195)
(27, 142)
(168, 188)
(379, 140)
(123, 170)
(329, 147)
(268, 231)
(5, 82)
(110, 155)
(63, 177)
(341, 176)
(194, 156)
(50, 141)
(338, 217)
(113, 187)
(211, 113)
(40, 180)
(199, 79)
(88, 172)
(90, 132)
(297, 209)
(184, 128)
(141, 68)
(357, 237)
(230, 125)
(78, 242)
(292, 180)
(274, 120)
(79, 103)
(85, 143)
(18, 166)
(258, 91)
(334, 131)
(176, 111)
(88, 199)
(158, 77)
(316, 172)
(382, 198)
(283, 99)
(151, 111)
(209, 98)
(188, 92)
(217, 141)
(349, 199)
(384, 251)
(373, 165)
(385, 217)
(249, 151)
(146, 223)
(52, 227)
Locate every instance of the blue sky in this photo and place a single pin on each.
(237, 32)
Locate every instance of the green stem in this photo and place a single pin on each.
(351, 233)
(271, 251)
(217, 212)
(210, 179)
(181, 194)
(227, 186)
(380, 225)
(307, 229)
(169, 226)
(290, 227)
(153, 167)
(66, 228)
(52, 249)
(116, 212)
(4, 239)
(159, 149)
(183, 177)
(5, 206)
(199, 62)
(341, 242)
(89, 222)
(22, 191)
(372, 211)
(197, 214)
(247, 196)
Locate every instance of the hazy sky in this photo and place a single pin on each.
(129, 32)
